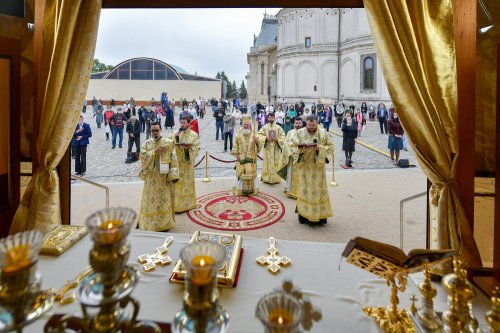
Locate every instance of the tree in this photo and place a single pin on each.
(243, 91)
(229, 90)
(98, 66)
(218, 76)
(234, 89)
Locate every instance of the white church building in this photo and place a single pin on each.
(315, 53)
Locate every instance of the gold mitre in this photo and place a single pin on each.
(246, 118)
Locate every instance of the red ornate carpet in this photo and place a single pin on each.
(225, 211)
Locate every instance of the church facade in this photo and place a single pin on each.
(315, 53)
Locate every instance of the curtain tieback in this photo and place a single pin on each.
(436, 190)
(52, 176)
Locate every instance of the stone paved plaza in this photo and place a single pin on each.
(107, 165)
(366, 202)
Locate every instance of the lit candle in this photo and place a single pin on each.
(109, 231)
(202, 272)
(17, 258)
(280, 320)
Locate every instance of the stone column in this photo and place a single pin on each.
(266, 81)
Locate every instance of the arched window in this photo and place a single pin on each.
(368, 73)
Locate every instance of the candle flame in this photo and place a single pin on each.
(202, 262)
(280, 320)
(109, 226)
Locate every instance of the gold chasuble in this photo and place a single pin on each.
(272, 138)
(313, 201)
(245, 149)
(187, 150)
(157, 205)
(287, 169)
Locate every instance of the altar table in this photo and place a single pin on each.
(338, 289)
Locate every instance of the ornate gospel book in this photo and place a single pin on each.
(61, 238)
(228, 272)
(385, 260)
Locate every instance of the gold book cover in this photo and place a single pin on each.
(61, 238)
(228, 272)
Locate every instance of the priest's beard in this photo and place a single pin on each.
(247, 131)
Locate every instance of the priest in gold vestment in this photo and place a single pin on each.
(311, 146)
(245, 149)
(159, 170)
(187, 147)
(272, 138)
(289, 170)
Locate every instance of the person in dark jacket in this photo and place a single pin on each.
(219, 122)
(395, 137)
(382, 118)
(118, 121)
(81, 139)
(350, 130)
(134, 137)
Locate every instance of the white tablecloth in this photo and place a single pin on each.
(339, 293)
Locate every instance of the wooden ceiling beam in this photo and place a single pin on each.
(231, 3)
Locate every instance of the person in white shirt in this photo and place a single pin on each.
(280, 116)
(237, 119)
(307, 112)
(192, 111)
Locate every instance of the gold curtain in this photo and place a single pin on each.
(68, 38)
(416, 49)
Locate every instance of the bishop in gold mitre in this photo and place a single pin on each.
(159, 170)
(272, 138)
(311, 146)
(245, 149)
(187, 147)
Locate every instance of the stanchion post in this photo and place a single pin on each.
(206, 179)
(333, 182)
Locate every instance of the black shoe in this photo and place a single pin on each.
(121, 147)
(303, 220)
(82, 174)
(322, 221)
(77, 174)
(113, 147)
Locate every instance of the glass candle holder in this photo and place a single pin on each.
(20, 250)
(202, 261)
(110, 226)
(279, 313)
(18, 279)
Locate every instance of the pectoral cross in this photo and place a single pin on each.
(273, 260)
(160, 257)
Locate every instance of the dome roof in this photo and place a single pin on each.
(147, 69)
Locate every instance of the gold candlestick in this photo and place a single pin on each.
(105, 293)
(493, 316)
(20, 297)
(426, 315)
(461, 293)
(201, 311)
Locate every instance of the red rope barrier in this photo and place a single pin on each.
(199, 161)
(215, 158)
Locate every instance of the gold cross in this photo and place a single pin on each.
(413, 307)
(273, 260)
(65, 295)
(160, 257)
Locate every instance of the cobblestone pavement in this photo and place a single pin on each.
(108, 165)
